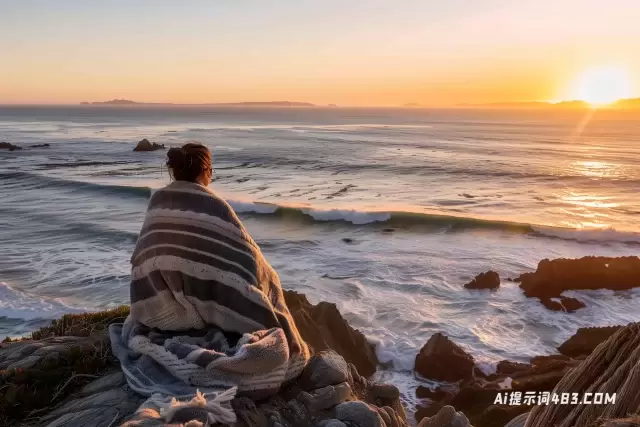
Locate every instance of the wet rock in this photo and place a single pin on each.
(488, 280)
(441, 359)
(567, 304)
(347, 240)
(585, 340)
(146, 145)
(446, 417)
(323, 327)
(552, 277)
(41, 146)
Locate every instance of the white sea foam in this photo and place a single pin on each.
(16, 304)
(352, 216)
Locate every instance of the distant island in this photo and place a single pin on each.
(622, 104)
(226, 104)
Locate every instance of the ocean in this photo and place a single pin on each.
(385, 212)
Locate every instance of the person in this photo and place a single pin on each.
(198, 278)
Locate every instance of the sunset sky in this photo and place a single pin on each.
(348, 52)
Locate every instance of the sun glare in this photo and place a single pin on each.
(603, 85)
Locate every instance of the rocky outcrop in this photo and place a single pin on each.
(552, 277)
(323, 327)
(488, 280)
(41, 146)
(146, 145)
(328, 393)
(9, 146)
(441, 359)
(66, 375)
(613, 367)
(583, 342)
(475, 396)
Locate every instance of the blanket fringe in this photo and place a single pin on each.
(218, 408)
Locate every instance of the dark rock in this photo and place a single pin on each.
(586, 340)
(441, 359)
(446, 417)
(9, 146)
(506, 367)
(426, 410)
(551, 278)
(359, 414)
(146, 145)
(488, 280)
(324, 368)
(438, 394)
(499, 415)
(41, 146)
(388, 230)
(567, 304)
(347, 240)
(323, 327)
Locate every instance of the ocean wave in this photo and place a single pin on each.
(448, 223)
(389, 219)
(18, 180)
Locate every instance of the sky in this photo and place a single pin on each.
(346, 52)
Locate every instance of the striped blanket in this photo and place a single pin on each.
(207, 309)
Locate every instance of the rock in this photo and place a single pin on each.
(446, 417)
(347, 240)
(506, 367)
(488, 280)
(324, 369)
(331, 423)
(323, 327)
(438, 394)
(442, 360)
(146, 145)
(359, 414)
(613, 367)
(499, 415)
(565, 304)
(586, 340)
(9, 146)
(551, 278)
(326, 397)
(41, 146)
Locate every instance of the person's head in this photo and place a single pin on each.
(191, 162)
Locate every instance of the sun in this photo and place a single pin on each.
(603, 85)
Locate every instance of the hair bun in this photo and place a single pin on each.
(176, 158)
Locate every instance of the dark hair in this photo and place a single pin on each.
(188, 162)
